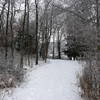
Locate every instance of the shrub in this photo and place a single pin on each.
(90, 81)
(10, 75)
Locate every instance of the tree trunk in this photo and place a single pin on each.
(59, 50)
(28, 32)
(59, 46)
(97, 30)
(6, 37)
(53, 55)
(23, 31)
(36, 4)
(11, 27)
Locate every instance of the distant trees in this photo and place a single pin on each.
(51, 19)
(75, 48)
(89, 14)
(46, 27)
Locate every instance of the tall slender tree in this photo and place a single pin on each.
(36, 7)
(7, 27)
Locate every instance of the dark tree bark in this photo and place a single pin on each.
(2, 24)
(11, 27)
(59, 46)
(36, 5)
(28, 31)
(23, 32)
(97, 31)
(53, 55)
(7, 26)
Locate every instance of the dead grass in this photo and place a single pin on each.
(90, 82)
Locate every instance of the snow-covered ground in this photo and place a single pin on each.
(55, 80)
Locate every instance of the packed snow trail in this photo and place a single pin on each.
(55, 80)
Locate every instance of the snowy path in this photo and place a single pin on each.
(55, 80)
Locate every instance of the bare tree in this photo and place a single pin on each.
(7, 26)
(36, 5)
(11, 26)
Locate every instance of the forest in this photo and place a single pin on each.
(35, 31)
